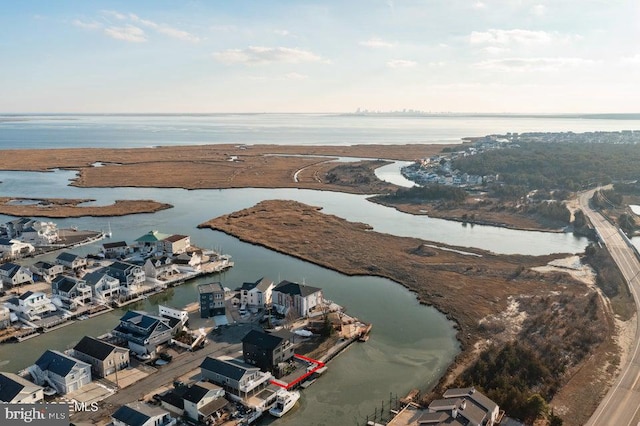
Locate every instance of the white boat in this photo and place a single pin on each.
(285, 401)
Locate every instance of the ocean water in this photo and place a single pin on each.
(64, 131)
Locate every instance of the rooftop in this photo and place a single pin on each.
(95, 348)
(294, 289)
(210, 288)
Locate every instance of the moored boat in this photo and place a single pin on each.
(285, 402)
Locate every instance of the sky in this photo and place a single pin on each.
(492, 56)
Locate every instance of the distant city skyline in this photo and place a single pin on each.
(489, 56)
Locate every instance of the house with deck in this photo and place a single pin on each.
(31, 306)
(266, 351)
(16, 390)
(40, 233)
(202, 400)
(160, 268)
(151, 242)
(104, 288)
(143, 333)
(13, 249)
(62, 372)
(130, 276)
(117, 249)
(141, 414)
(71, 260)
(71, 290)
(104, 358)
(257, 294)
(48, 271)
(240, 381)
(300, 298)
(13, 275)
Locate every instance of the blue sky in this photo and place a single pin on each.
(320, 56)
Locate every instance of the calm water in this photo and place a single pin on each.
(291, 129)
(411, 344)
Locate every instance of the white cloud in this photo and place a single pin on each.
(495, 50)
(266, 55)
(401, 63)
(92, 25)
(283, 33)
(113, 14)
(504, 37)
(635, 59)
(539, 10)
(479, 5)
(295, 76)
(129, 33)
(532, 64)
(376, 43)
(166, 29)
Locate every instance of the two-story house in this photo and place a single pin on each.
(105, 358)
(116, 249)
(266, 351)
(16, 390)
(144, 333)
(5, 317)
(73, 291)
(71, 260)
(202, 400)
(40, 233)
(141, 414)
(130, 276)
(258, 293)
(48, 271)
(176, 244)
(12, 249)
(211, 299)
(62, 372)
(160, 268)
(299, 297)
(240, 381)
(30, 305)
(104, 288)
(151, 242)
(12, 275)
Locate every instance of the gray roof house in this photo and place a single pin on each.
(104, 288)
(71, 260)
(62, 372)
(16, 390)
(129, 275)
(12, 274)
(202, 400)
(299, 297)
(257, 293)
(140, 414)
(239, 380)
(143, 332)
(71, 290)
(105, 358)
(47, 270)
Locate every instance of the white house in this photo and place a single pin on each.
(12, 274)
(115, 249)
(299, 297)
(258, 293)
(151, 242)
(71, 260)
(239, 380)
(30, 306)
(130, 276)
(72, 290)
(62, 372)
(16, 390)
(176, 244)
(141, 414)
(477, 401)
(12, 248)
(46, 270)
(40, 233)
(160, 268)
(103, 287)
(167, 312)
(5, 317)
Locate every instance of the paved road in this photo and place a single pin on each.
(621, 405)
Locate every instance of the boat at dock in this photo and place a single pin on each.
(285, 402)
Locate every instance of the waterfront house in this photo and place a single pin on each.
(116, 249)
(141, 414)
(48, 271)
(266, 351)
(202, 400)
(167, 312)
(12, 249)
(103, 287)
(151, 242)
(192, 258)
(239, 380)
(160, 268)
(31, 305)
(14, 227)
(40, 233)
(130, 276)
(489, 408)
(5, 317)
(71, 260)
(104, 358)
(211, 300)
(16, 390)
(176, 244)
(144, 333)
(71, 290)
(12, 275)
(62, 372)
(299, 297)
(258, 293)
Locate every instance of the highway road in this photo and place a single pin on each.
(621, 405)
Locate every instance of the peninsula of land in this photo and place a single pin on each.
(66, 207)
